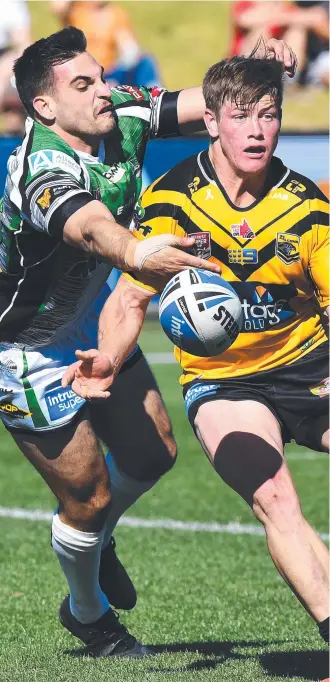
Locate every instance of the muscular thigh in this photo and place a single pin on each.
(134, 424)
(243, 441)
(70, 460)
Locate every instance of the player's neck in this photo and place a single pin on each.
(242, 189)
(88, 145)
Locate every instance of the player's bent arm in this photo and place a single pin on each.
(94, 229)
(121, 321)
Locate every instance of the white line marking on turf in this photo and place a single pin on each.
(231, 528)
(161, 359)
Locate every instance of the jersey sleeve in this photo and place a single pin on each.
(318, 265)
(48, 196)
(156, 106)
(152, 217)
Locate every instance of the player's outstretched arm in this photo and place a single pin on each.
(191, 103)
(120, 324)
(94, 229)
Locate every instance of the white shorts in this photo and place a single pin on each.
(31, 395)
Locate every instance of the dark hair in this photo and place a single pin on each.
(243, 81)
(34, 69)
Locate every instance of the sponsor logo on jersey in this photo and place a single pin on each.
(61, 402)
(242, 230)
(8, 408)
(278, 195)
(198, 391)
(115, 173)
(243, 256)
(287, 247)
(296, 187)
(193, 186)
(322, 389)
(264, 305)
(45, 199)
(7, 366)
(49, 158)
(135, 92)
(307, 345)
(202, 246)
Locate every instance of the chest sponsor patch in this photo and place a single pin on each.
(202, 246)
(243, 256)
(287, 247)
(62, 402)
(242, 230)
(322, 389)
(49, 158)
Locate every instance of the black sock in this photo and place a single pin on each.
(324, 629)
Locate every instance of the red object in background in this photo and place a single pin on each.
(238, 9)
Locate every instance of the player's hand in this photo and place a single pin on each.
(91, 376)
(165, 255)
(283, 53)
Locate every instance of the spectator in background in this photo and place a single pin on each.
(303, 25)
(15, 36)
(110, 39)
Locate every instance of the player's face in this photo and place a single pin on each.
(248, 138)
(82, 99)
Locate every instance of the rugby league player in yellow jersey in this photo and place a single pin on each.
(267, 227)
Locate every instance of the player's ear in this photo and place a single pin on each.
(44, 107)
(211, 123)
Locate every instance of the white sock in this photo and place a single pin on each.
(79, 555)
(124, 492)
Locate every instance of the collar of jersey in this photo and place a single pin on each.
(276, 173)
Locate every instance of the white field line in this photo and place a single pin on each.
(231, 528)
(161, 358)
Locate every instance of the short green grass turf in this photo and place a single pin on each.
(214, 600)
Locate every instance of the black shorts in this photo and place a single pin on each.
(297, 394)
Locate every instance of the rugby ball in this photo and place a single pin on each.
(200, 312)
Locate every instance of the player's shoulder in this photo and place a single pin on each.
(179, 179)
(299, 185)
(44, 151)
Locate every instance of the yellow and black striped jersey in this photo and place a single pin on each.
(274, 253)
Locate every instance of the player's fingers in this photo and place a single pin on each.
(69, 375)
(93, 394)
(290, 62)
(87, 354)
(194, 262)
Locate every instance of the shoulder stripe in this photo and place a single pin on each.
(134, 112)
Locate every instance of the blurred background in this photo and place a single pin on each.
(172, 44)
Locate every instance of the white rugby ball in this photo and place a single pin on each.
(200, 312)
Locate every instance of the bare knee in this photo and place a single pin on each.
(276, 502)
(85, 502)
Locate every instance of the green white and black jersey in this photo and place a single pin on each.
(45, 285)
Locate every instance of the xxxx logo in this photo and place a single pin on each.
(44, 200)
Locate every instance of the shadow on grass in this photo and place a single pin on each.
(309, 665)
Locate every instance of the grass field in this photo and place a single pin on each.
(212, 600)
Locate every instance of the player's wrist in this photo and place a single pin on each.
(129, 254)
